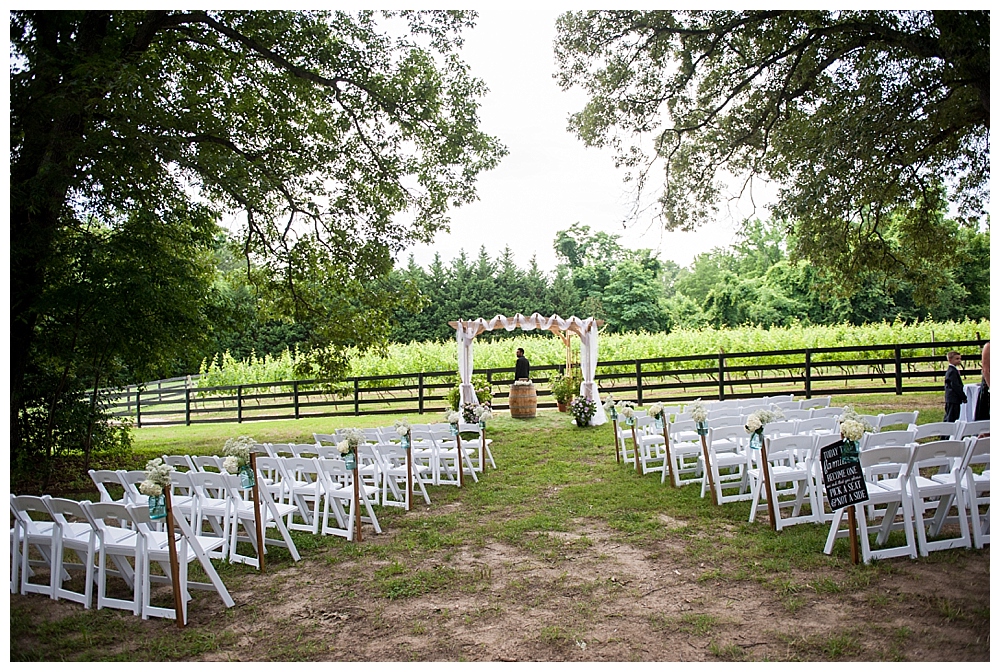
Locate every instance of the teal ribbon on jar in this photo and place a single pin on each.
(614, 413)
(454, 429)
(247, 479)
(157, 507)
(658, 422)
(405, 440)
(350, 461)
(757, 440)
(482, 424)
(701, 427)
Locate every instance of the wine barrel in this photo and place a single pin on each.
(523, 401)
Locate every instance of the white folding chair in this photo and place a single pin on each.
(304, 486)
(340, 500)
(728, 461)
(932, 497)
(685, 447)
(104, 479)
(797, 414)
(180, 462)
(479, 448)
(784, 466)
(272, 515)
(37, 532)
(77, 536)
(212, 463)
(130, 481)
(885, 470)
(118, 542)
(397, 466)
(210, 503)
(874, 420)
(787, 405)
(977, 488)
(974, 428)
(154, 549)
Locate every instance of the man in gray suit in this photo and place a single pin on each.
(954, 391)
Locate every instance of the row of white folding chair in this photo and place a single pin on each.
(896, 478)
(95, 541)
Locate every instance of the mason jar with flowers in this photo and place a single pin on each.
(453, 418)
(483, 414)
(157, 481)
(353, 438)
(610, 408)
(403, 431)
(626, 409)
(852, 428)
(755, 425)
(700, 416)
(237, 459)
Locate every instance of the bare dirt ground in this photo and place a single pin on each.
(598, 600)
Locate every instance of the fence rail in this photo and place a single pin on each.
(897, 368)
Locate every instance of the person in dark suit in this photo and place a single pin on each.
(954, 392)
(522, 370)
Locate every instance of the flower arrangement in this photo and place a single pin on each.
(852, 425)
(237, 452)
(402, 427)
(452, 417)
(759, 418)
(609, 404)
(157, 478)
(656, 411)
(626, 409)
(353, 437)
(483, 413)
(583, 410)
(697, 410)
(469, 413)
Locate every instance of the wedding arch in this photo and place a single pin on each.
(467, 330)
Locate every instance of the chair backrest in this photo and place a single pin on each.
(729, 418)
(828, 411)
(681, 427)
(326, 439)
(827, 425)
(301, 468)
(974, 428)
(936, 453)
(726, 434)
(60, 508)
(130, 481)
(23, 505)
(644, 421)
(328, 452)
(780, 428)
(884, 462)
(815, 402)
(797, 413)
(874, 420)
(905, 418)
(102, 478)
(99, 513)
(899, 437)
(787, 405)
(978, 452)
(779, 398)
(179, 462)
(207, 463)
(790, 449)
(334, 473)
(208, 484)
(949, 430)
(304, 449)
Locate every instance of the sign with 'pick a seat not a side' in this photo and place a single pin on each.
(842, 475)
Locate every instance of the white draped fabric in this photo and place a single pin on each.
(467, 330)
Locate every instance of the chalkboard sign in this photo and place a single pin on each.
(842, 475)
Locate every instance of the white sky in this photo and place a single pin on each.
(549, 180)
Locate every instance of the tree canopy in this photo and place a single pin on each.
(333, 140)
(856, 115)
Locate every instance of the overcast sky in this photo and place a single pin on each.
(549, 180)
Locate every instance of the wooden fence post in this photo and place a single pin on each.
(295, 397)
(239, 403)
(899, 370)
(357, 406)
(138, 410)
(420, 393)
(638, 382)
(722, 375)
(187, 406)
(808, 374)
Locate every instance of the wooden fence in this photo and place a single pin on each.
(896, 368)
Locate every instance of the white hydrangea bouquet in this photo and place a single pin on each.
(626, 409)
(483, 414)
(157, 481)
(237, 458)
(403, 431)
(700, 416)
(755, 424)
(853, 427)
(610, 408)
(353, 437)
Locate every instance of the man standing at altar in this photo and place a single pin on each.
(522, 369)
(954, 393)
